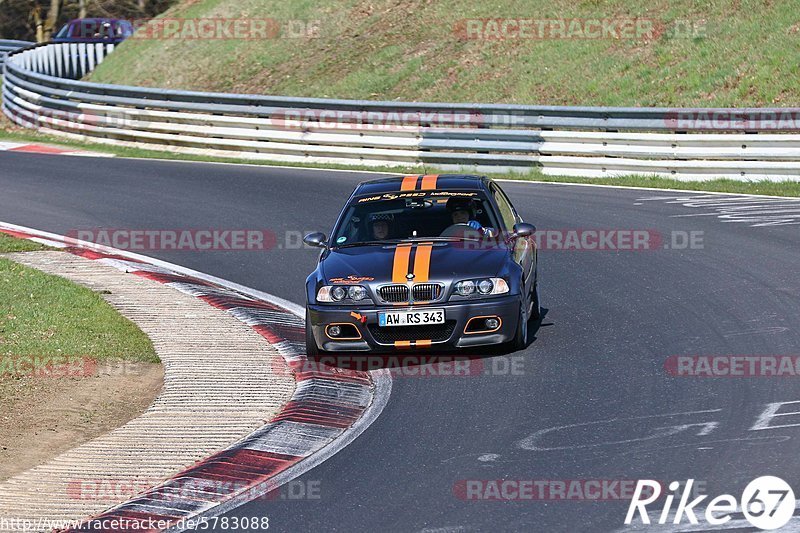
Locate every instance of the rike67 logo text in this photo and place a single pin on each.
(767, 502)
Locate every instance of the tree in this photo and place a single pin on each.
(38, 19)
(52, 20)
(45, 27)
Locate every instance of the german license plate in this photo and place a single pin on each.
(411, 318)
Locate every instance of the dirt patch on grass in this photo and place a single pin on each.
(71, 366)
(41, 417)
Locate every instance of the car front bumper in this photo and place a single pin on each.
(453, 335)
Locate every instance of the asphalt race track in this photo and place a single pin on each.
(594, 375)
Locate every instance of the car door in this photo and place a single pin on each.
(524, 249)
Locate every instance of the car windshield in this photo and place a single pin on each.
(63, 31)
(394, 217)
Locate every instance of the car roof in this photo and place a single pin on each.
(95, 20)
(420, 182)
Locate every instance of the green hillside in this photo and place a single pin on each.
(684, 53)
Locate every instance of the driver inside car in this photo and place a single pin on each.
(462, 212)
(380, 226)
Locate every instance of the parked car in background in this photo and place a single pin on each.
(94, 30)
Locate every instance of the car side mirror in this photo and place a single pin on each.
(316, 239)
(523, 229)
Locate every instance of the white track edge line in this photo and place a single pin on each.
(635, 188)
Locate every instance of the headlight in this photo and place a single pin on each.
(357, 292)
(482, 287)
(485, 286)
(465, 288)
(337, 293)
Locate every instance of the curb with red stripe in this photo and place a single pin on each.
(47, 149)
(329, 408)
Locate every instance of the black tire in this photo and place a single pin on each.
(520, 341)
(536, 305)
(312, 350)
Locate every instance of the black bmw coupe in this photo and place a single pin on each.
(423, 262)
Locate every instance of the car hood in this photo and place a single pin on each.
(380, 264)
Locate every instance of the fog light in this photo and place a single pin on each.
(334, 331)
(492, 323)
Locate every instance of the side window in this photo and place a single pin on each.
(124, 29)
(506, 211)
(106, 31)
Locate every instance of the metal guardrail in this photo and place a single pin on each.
(41, 90)
(7, 46)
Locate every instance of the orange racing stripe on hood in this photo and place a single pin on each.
(409, 183)
(422, 262)
(402, 254)
(429, 182)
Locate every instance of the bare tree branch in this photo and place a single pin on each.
(52, 18)
(36, 19)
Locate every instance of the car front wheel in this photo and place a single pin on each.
(312, 350)
(520, 341)
(536, 306)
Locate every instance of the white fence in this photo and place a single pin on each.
(7, 46)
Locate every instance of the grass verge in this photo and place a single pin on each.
(736, 53)
(47, 316)
(71, 367)
(10, 244)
